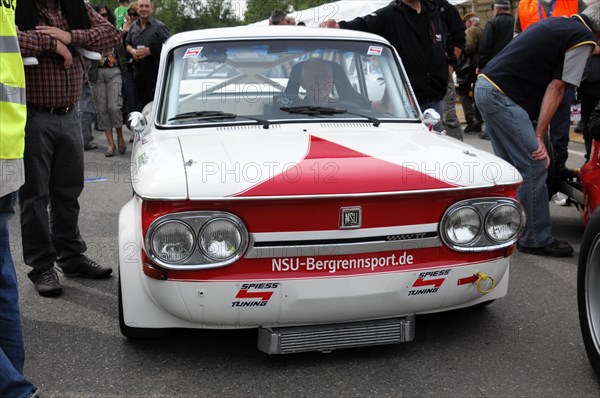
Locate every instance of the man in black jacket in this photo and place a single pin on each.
(497, 33)
(416, 30)
(144, 42)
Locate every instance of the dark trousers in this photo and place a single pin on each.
(53, 182)
(472, 115)
(145, 82)
(589, 94)
(129, 95)
(560, 127)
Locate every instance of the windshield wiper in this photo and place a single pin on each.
(265, 123)
(312, 110)
(323, 110)
(215, 115)
(204, 115)
(376, 122)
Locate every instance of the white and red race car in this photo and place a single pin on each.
(324, 226)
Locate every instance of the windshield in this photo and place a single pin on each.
(246, 81)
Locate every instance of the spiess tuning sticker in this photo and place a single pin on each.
(254, 294)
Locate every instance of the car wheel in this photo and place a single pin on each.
(137, 333)
(588, 290)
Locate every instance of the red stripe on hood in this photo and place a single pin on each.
(329, 168)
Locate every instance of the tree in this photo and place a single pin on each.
(184, 15)
(258, 10)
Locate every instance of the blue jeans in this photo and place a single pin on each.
(513, 139)
(12, 352)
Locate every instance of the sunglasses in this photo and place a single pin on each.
(103, 14)
(132, 14)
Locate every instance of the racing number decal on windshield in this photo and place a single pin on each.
(254, 294)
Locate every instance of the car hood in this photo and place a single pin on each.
(289, 160)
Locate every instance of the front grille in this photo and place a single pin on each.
(361, 241)
(325, 338)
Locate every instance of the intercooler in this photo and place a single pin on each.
(325, 338)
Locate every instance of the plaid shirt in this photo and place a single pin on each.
(49, 84)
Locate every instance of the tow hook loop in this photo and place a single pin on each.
(485, 283)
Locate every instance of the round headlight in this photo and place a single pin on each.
(221, 239)
(173, 241)
(462, 225)
(503, 223)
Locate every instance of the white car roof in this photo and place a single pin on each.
(269, 32)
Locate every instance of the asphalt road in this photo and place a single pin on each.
(527, 344)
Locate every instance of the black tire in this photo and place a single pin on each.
(588, 290)
(137, 333)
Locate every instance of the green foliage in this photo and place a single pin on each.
(184, 15)
(258, 10)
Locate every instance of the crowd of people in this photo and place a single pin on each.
(122, 80)
(513, 90)
(43, 137)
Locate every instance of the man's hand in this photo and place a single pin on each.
(143, 53)
(330, 23)
(450, 72)
(133, 53)
(58, 34)
(64, 52)
(541, 153)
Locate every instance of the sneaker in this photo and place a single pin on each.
(474, 128)
(47, 284)
(560, 199)
(557, 248)
(81, 266)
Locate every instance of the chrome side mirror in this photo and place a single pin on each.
(431, 118)
(137, 123)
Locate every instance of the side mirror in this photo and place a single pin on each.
(431, 118)
(137, 123)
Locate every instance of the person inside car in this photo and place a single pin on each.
(326, 84)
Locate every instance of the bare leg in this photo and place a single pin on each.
(111, 143)
(120, 140)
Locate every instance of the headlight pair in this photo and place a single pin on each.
(194, 240)
(482, 224)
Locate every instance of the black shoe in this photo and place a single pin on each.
(484, 136)
(557, 248)
(84, 267)
(47, 284)
(474, 128)
(90, 146)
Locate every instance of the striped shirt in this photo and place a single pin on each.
(49, 84)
